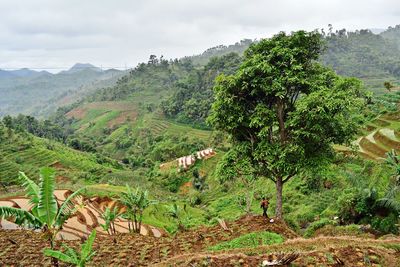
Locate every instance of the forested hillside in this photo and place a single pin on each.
(362, 54)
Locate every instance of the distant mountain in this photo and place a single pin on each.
(39, 93)
(82, 66)
(27, 72)
(6, 74)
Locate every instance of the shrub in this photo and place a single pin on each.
(292, 224)
(173, 181)
(18, 160)
(387, 224)
(317, 225)
(345, 230)
(346, 204)
(251, 240)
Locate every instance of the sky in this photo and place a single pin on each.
(55, 34)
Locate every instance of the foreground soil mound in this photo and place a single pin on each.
(190, 248)
(322, 251)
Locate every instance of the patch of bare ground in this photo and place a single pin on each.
(77, 113)
(321, 251)
(189, 248)
(123, 117)
(80, 112)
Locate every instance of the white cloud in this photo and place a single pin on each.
(54, 33)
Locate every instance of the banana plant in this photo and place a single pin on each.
(45, 213)
(109, 216)
(78, 258)
(175, 213)
(135, 202)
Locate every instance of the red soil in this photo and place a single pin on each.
(189, 248)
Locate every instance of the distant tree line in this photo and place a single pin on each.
(191, 102)
(41, 128)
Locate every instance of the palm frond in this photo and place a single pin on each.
(67, 208)
(31, 188)
(22, 217)
(47, 206)
(390, 200)
(389, 203)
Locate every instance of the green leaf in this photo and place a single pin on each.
(47, 207)
(67, 208)
(87, 246)
(21, 216)
(59, 255)
(71, 252)
(31, 188)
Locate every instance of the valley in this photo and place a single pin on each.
(170, 160)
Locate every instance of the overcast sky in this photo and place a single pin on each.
(115, 33)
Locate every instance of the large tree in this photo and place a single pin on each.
(283, 110)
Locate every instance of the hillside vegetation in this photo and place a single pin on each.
(335, 208)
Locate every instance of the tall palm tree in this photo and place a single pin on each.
(391, 200)
(45, 213)
(135, 202)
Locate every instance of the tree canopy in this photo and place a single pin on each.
(283, 109)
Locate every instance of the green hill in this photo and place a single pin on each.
(42, 93)
(20, 151)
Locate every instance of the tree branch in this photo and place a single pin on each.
(287, 178)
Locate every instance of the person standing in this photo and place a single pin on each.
(264, 206)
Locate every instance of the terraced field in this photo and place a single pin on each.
(19, 156)
(87, 218)
(382, 135)
(159, 126)
(29, 154)
(98, 115)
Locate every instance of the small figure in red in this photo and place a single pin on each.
(264, 206)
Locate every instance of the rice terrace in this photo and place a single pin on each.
(201, 133)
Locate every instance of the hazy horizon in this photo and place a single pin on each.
(124, 33)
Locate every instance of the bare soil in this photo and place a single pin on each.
(189, 248)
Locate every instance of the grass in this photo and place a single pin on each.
(251, 240)
(317, 225)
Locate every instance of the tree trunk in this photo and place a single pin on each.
(279, 186)
(140, 221)
(136, 223)
(249, 200)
